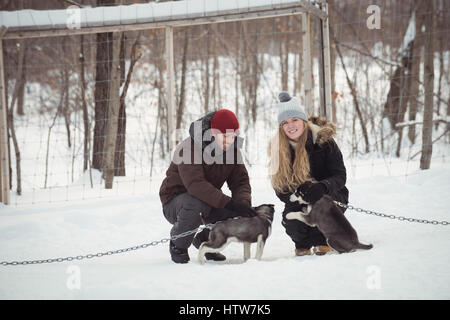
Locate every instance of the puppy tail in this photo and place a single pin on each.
(364, 246)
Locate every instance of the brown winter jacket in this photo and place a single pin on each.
(201, 169)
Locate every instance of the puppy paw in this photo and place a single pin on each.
(293, 198)
(293, 215)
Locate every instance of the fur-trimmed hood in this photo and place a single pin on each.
(322, 131)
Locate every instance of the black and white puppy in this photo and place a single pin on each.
(245, 230)
(329, 219)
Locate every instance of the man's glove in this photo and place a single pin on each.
(241, 208)
(314, 192)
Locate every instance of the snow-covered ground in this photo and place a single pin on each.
(408, 261)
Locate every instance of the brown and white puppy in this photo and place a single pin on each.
(329, 219)
(245, 230)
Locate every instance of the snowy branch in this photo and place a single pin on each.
(412, 123)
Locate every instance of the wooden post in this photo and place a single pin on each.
(4, 157)
(113, 113)
(327, 63)
(170, 88)
(322, 108)
(325, 67)
(307, 65)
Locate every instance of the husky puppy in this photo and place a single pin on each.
(329, 219)
(246, 230)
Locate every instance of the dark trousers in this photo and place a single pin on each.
(303, 235)
(183, 212)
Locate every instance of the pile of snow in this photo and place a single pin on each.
(408, 261)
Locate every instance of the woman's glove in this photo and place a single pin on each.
(301, 190)
(241, 208)
(314, 192)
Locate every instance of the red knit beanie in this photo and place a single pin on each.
(224, 119)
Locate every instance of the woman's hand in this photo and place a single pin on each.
(314, 192)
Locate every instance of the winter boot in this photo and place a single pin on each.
(201, 237)
(321, 250)
(302, 252)
(179, 255)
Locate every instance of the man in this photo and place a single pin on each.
(201, 165)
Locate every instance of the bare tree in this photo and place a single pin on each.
(113, 113)
(101, 94)
(355, 101)
(119, 159)
(182, 91)
(427, 128)
(420, 13)
(11, 126)
(87, 135)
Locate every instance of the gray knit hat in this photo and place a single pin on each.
(289, 107)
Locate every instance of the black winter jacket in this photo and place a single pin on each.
(326, 163)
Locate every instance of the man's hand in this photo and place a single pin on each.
(241, 208)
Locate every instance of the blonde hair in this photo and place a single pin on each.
(285, 175)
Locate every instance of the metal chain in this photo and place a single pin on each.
(209, 226)
(391, 216)
(108, 253)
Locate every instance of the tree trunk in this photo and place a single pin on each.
(102, 81)
(284, 55)
(182, 100)
(65, 106)
(11, 127)
(87, 135)
(48, 139)
(427, 128)
(119, 160)
(119, 153)
(441, 73)
(355, 102)
(238, 72)
(206, 84)
(160, 65)
(420, 10)
(255, 78)
(244, 73)
(21, 95)
(113, 112)
(332, 21)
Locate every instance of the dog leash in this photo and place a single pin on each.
(108, 253)
(391, 216)
(200, 228)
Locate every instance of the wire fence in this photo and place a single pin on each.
(58, 93)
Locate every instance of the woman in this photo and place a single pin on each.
(305, 151)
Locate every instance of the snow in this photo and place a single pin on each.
(135, 13)
(408, 261)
